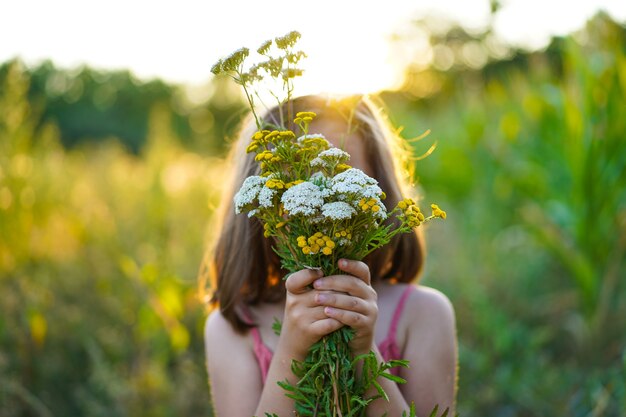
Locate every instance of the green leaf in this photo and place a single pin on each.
(277, 326)
(393, 378)
(380, 390)
(399, 362)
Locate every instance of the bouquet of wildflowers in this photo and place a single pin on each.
(317, 209)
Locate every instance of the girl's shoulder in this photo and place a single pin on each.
(220, 335)
(427, 311)
(416, 298)
(231, 361)
(424, 299)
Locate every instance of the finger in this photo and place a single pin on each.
(347, 284)
(349, 318)
(356, 268)
(304, 305)
(304, 312)
(316, 312)
(325, 326)
(298, 282)
(343, 302)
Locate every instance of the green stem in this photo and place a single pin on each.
(251, 103)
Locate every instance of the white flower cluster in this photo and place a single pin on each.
(355, 181)
(330, 158)
(338, 210)
(312, 136)
(353, 185)
(248, 192)
(305, 198)
(323, 182)
(266, 197)
(352, 180)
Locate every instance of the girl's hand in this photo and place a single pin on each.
(305, 321)
(351, 300)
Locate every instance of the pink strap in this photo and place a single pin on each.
(389, 348)
(261, 351)
(256, 336)
(393, 327)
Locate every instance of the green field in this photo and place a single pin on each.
(108, 184)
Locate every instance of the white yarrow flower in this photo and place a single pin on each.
(323, 182)
(304, 198)
(266, 196)
(335, 153)
(354, 176)
(248, 192)
(330, 158)
(355, 181)
(317, 162)
(338, 210)
(371, 191)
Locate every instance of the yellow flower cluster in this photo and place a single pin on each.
(311, 146)
(437, 212)
(267, 156)
(369, 205)
(258, 139)
(292, 183)
(342, 167)
(318, 242)
(264, 137)
(267, 228)
(315, 141)
(275, 183)
(304, 116)
(346, 233)
(280, 184)
(414, 216)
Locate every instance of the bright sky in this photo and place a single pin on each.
(347, 40)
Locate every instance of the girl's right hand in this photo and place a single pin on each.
(304, 322)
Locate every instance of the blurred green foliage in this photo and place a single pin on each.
(531, 165)
(99, 246)
(91, 105)
(99, 251)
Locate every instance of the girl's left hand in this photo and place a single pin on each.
(351, 300)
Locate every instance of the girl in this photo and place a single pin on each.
(376, 297)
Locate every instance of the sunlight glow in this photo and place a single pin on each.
(348, 41)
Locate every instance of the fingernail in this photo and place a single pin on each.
(343, 263)
(317, 283)
(321, 298)
(329, 310)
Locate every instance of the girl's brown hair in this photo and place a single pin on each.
(242, 269)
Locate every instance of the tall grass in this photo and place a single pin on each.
(98, 258)
(532, 163)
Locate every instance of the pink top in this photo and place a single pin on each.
(389, 348)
